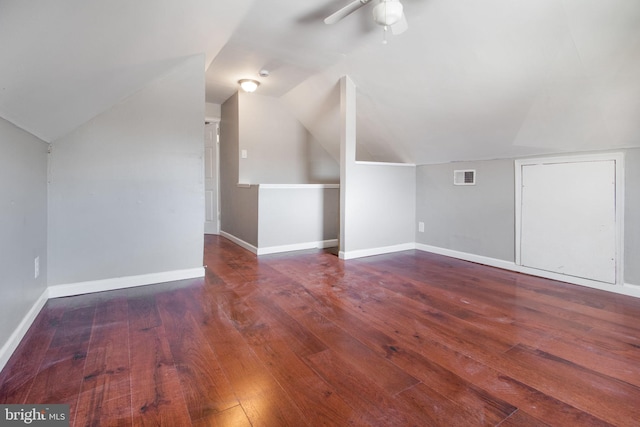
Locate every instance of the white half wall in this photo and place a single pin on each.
(294, 217)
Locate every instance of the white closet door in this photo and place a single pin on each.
(568, 219)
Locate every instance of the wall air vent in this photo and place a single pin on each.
(464, 177)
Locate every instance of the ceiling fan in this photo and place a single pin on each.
(387, 13)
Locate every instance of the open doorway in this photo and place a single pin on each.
(211, 177)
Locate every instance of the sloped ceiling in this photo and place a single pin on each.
(65, 61)
(469, 79)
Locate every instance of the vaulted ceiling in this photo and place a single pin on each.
(469, 79)
(65, 61)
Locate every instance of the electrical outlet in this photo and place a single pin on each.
(36, 267)
(421, 227)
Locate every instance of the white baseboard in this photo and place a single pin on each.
(14, 340)
(631, 289)
(239, 242)
(493, 262)
(298, 247)
(80, 288)
(278, 249)
(376, 251)
(624, 289)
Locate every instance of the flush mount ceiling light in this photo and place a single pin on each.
(249, 85)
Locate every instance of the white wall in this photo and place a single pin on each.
(280, 150)
(212, 111)
(23, 227)
(126, 193)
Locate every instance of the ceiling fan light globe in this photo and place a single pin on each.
(387, 12)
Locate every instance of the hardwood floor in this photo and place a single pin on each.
(407, 339)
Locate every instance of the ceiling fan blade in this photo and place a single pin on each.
(401, 26)
(345, 11)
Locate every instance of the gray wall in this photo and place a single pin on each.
(380, 206)
(126, 193)
(280, 149)
(291, 216)
(480, 219)
(238, 205)
(23, 224)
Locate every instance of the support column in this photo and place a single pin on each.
(347, 152)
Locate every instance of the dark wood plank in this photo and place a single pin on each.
(206, 388)
(105, 396)
(589, 307)
(156, 396)
(304, 338)
(597, 394)
(398, 343)
(60, 377)
(75, 327)
(21, 369)
(436, 410)
(520, 419)
(372, 405)
(314, 397)
(234, 417)
(262, 398)
(384, 373)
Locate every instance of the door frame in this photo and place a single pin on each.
(216, 145)
(618, 159)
